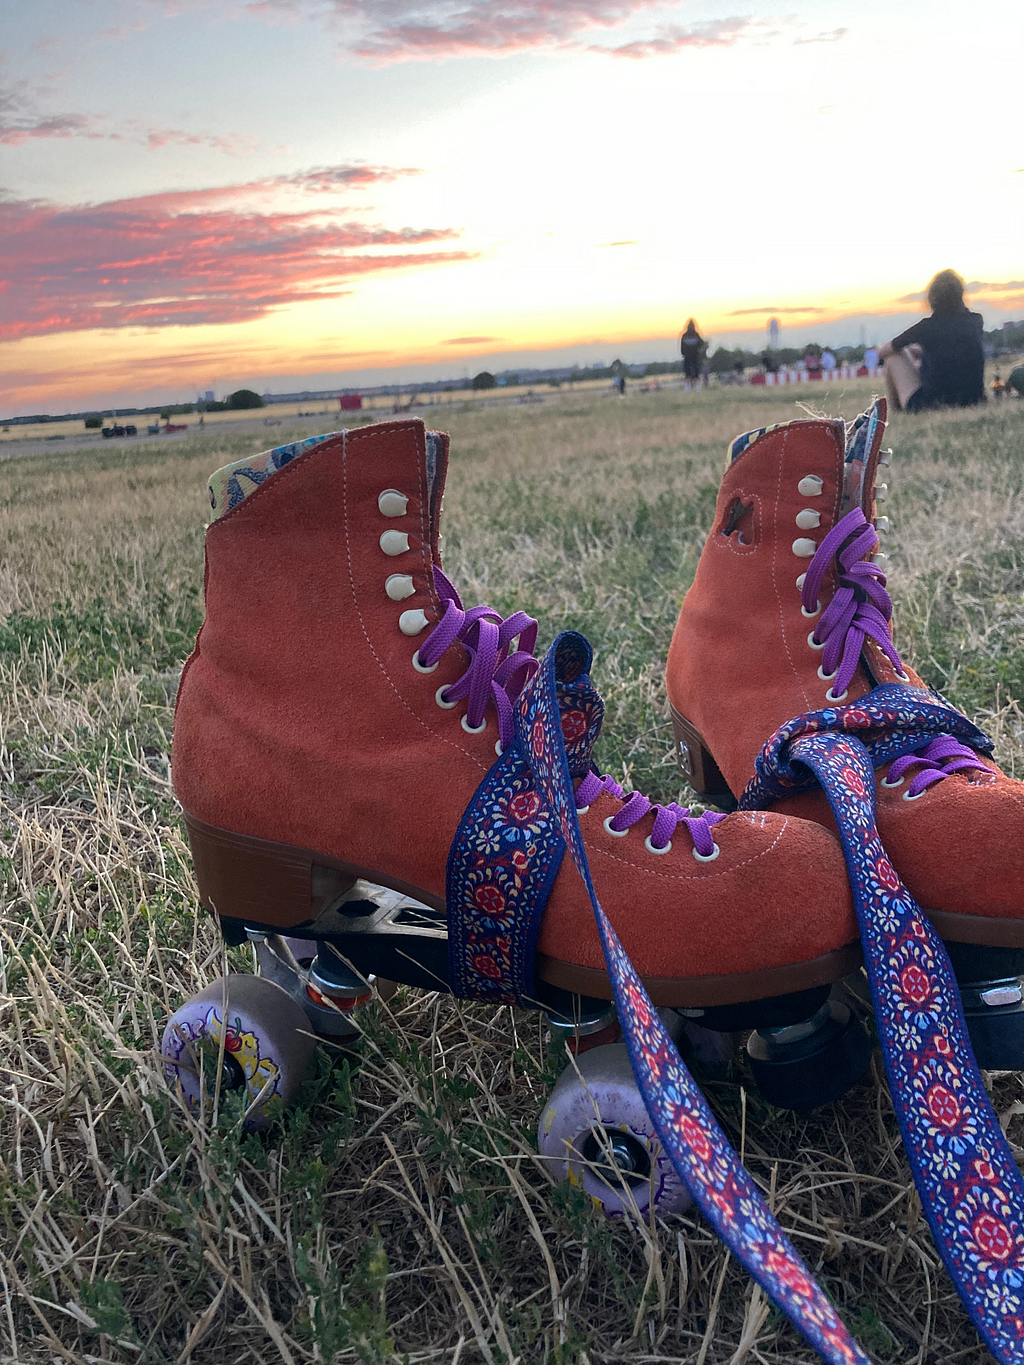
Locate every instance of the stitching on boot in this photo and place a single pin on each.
(434, 734)
(690, 877)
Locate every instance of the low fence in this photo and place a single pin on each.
(789, 376)
(808, 376)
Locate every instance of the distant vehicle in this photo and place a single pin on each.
(153, 429)
(175, 426)
(118, 430)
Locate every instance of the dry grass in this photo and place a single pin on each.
(400, 1210)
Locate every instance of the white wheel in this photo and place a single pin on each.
(595, 1131)
(267, 1044)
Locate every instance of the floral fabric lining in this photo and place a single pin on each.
(233, 483)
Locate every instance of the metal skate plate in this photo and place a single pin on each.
(385, 933)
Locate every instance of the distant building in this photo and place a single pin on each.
(208, 396)
(773, 333)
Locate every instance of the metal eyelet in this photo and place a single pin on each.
(615, 833)
(706, 857)
(833, 700)
(422, 668)
(897, 783)
(827, 677)
(498, 749)
(908, 797)
(444, 705)
(903, 677)
(582, 810)
(653, 848)
(813, 642)
(805, 612)
(473, 729)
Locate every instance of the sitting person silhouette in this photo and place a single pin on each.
(939, 362)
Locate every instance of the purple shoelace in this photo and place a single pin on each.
(495, 674)
(635, 807)
(862, 607)
(935, 758)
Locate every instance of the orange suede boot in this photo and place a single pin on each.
(341, 709)
(788, 614)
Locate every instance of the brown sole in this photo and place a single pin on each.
(978, 929)
(697, 764)
(701, 992)
(273, 885)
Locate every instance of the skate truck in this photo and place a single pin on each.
(380, 785)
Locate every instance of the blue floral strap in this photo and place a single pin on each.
(971, 1190)
(697, 1147)
(503, 862)
(890, 721)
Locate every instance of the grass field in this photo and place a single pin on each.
(400, 1213)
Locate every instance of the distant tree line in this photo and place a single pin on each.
(1005, 340)
(235, 402)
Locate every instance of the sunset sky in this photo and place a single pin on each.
(307, 193)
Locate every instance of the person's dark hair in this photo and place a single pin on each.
(691, 328)
(946, 293)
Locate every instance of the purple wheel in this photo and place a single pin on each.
(595, 1131)
(267, 1044)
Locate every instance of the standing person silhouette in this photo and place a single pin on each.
(939, 362)
(691, 346)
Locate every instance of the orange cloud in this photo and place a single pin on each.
(746, 312)
(179, 260)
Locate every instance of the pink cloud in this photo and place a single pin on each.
(18, 126)
(235, 144)
(174, 260)
(317, 180)
(16, 132)
(713, 33)
(405, 31)
(384, 31)
(20, 122)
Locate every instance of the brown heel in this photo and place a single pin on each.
(259, 882)
(698, 766)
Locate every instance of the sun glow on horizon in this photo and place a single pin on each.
(735, 171)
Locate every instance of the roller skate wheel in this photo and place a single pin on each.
(595, 1131)
(267, 1044)
(804, 1065)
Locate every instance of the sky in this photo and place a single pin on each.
(288, 194)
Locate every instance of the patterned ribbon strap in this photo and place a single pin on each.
(890, 721)
(504, 859)
(697, 1147)
(971, 1190)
